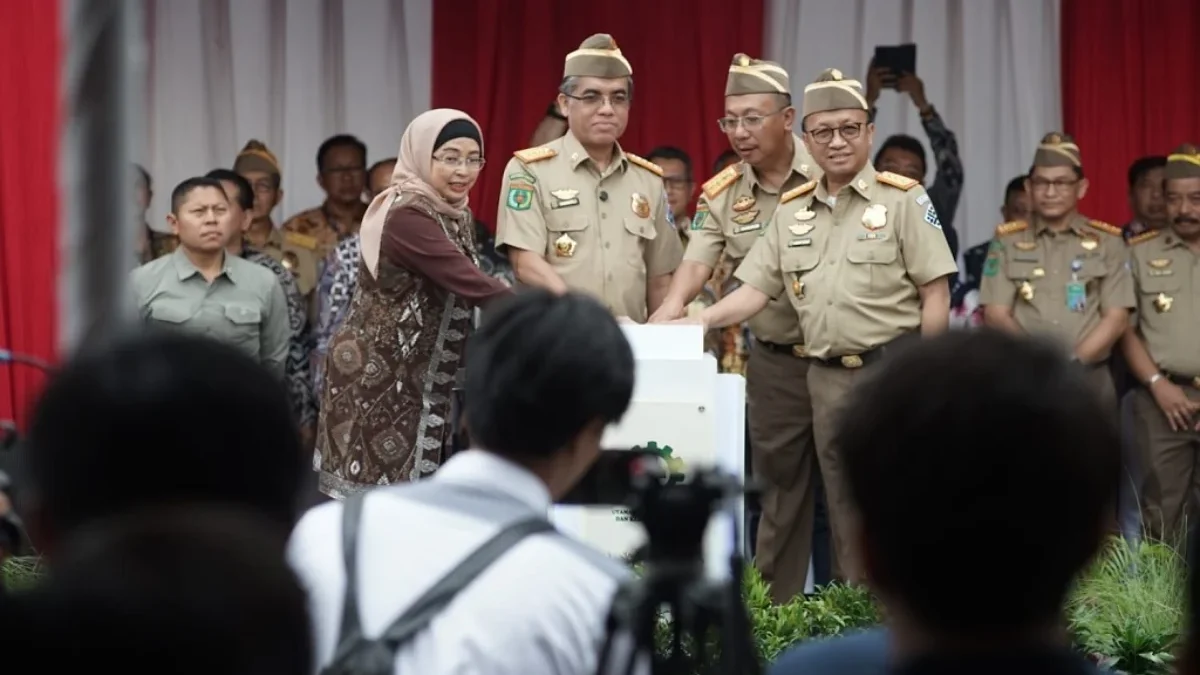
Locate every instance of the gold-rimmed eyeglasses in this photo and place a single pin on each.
(472, 163)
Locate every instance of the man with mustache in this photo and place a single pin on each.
(1163, 351)
(733, 210)
(1061, 275)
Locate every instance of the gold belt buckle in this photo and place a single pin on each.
(799, 351)
(852, 361)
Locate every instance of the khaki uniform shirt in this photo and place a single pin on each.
(244, 306)
(733, 211)
(1166, 275)
(851, 267)
(298, 255)
(1030, 269)
(318, 224)
(605, 233)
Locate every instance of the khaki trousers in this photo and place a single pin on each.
(1170, 487)
(781, 445)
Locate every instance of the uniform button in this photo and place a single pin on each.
(829, 302)
(607, 244)
(603, 215)
(610, 276)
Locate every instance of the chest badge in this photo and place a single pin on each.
(1160, 263)
(1089, 244)
(564, 198)
(640, 205)
(800, 229)
(1025, 245)
(805, 214)
(745, 217)
(1038, 273)
(1026, 291)
(564, 246)
(744, 203)
(875, 217)
(1162, 303)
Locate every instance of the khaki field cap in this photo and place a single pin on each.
(1183, 163)
(1057, 149)
(831, 91)
(598, 56)
(754, 76)
(256, 157)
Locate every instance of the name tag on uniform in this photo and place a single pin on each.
(564, 198)
(752, 227)
(800, 242)
(872, 236)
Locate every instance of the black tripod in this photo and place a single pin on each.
(696, 612)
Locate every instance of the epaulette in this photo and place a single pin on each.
(301, 240)
(645, 164)
(1011, 228)
(1143, 237)
(896, 180)
(531, 155)
(798, 191)
(1105, 227)
(721, 182)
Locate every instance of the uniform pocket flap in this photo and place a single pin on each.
(640, 228)
(168, 313)
(871, 254)
(243, 314)
(576, 224)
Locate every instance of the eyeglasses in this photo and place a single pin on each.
(1059, 185)
(748, 122)
(848, 132)
(677, 183)
(596, 100)
(472, 163)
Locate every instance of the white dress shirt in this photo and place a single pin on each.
(540, 608)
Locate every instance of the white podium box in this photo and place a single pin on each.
(692, 416)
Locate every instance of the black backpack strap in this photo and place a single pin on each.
(351, 631)
(429, 605)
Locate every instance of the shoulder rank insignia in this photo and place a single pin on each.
(798, 192)
(1144, 237)
(1105, 227)
(645, 164)
(1011, 228)
(896, 180)
(301, 240)
(721, 182)
(531, 155)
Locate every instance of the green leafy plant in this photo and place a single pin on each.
(1127, 611)
(20, 573)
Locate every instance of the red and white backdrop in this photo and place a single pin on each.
(293, 72)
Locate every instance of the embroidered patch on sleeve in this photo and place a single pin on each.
(698, 221)
(992, 266)
(520, 198)
(931, 217)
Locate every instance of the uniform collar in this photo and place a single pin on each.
(1077, 225)
(492, 473)
(576, 154)
(186, 270)
(863, 184)
(801, 165)
(1171, 240)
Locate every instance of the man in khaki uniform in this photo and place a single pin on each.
(861, 258)
(200, 288)
(1063, 276)
(1163, 352)
(296, 252)
(579, 212)
(734, 208)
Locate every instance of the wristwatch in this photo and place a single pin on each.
(1153, 378)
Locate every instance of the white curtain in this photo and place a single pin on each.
(991, 67)
(290, 73)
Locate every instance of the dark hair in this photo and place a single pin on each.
(1041, 469)
(1015, 185)
(340, 141)
(672, 152)
(723, 158)
(907, 144)
(376, 165)
(181, 191)
(1143, 166)
(145, 176)
(157, 418)
(187, 590)
(544, 366)
(1078, 171)
(245, 196)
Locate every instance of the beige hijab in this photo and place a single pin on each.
(413, 165)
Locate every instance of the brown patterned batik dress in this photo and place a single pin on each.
(391, 368)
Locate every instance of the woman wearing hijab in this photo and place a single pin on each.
(392, 365)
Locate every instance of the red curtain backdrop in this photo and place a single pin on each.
(1129, 76)
(30, 49)
(501, 62)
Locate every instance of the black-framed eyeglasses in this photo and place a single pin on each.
(1059, 185)
(848, 132)
(748, 122)
(594, 99)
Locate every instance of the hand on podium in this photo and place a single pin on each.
(693, 320)
(669, 310)
(624, 320)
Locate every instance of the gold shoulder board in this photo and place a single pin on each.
(798, 192)
(1011, 228)
(896, 180)
(1144, 237)
(1105, 227)
(721, 182)
(301, 240)
(645, 164)
(531, 155)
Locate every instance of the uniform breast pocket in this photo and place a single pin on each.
(241, 326)
(640, 234)
(796, 266)
(1023, 270)
(568, 240)
(166, 314)
(870, 269)
(1157, 293)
